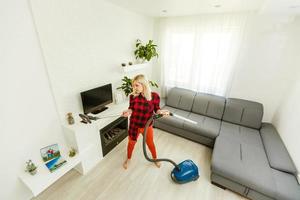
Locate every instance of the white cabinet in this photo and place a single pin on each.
(85, 139)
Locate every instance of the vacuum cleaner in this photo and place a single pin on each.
(184, 172)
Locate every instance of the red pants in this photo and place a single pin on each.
(149, 141)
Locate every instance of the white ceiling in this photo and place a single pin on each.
(290, 7)
(154, 8)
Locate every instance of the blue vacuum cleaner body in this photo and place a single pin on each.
(188, 171)
(183, 172)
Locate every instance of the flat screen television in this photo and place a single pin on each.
(94, 100)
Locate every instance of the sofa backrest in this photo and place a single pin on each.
(277, 153)
(243, 112)
(181, 98)
(209, 105)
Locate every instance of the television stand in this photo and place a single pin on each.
(99, 110)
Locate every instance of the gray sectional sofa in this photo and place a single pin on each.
(249, 156)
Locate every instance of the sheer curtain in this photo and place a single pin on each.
(200, 53)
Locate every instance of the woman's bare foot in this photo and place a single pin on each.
(157, 164)
(125, 164)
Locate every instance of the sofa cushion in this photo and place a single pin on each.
(277, 153)
(209, 105)
(206, 126)
(181, 98)
(243, 112)
(287, 185)
(243, 163)
(240, 134)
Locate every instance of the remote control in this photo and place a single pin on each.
(85, 118)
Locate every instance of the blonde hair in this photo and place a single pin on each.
(146, 87)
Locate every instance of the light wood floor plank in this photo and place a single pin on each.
(142, 180)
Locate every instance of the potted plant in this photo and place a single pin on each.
(127, 85)
(145, 52)
(72, 152)
(30, 167)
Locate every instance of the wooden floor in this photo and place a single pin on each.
(142, 180)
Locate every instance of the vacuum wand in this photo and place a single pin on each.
(145, 136)
(183, 118)
(183, 172)
(177, 116)
(144, 145)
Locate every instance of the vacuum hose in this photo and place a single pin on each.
(144, 144)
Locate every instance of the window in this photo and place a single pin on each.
(201, 55)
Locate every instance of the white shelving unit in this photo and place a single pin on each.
(132, 68)
(44, 178)
(85, 138)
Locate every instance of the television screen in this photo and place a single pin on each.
(94, 100)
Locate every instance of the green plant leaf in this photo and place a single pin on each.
(127, 85)
(147, 51)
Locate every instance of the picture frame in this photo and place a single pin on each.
(52, 157)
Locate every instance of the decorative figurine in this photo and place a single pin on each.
(70, 118)
(30, 167)
(72, 152)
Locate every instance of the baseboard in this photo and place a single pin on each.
(218, 185)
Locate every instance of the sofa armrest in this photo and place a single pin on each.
(276, 151)
(162, 102)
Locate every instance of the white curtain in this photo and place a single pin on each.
(199, 53)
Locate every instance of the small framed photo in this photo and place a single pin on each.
(52, 157)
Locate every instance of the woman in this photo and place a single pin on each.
(142, 105)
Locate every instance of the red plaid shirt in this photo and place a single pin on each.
(142, 110)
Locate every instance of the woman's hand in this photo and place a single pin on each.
(126, 113)
(163, 112)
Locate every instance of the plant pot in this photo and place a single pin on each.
(33, 172)
(140, 61)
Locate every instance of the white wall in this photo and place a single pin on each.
(266, 66)
(28, 117)
(84, 43)
(286, 121)
(286, 118)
